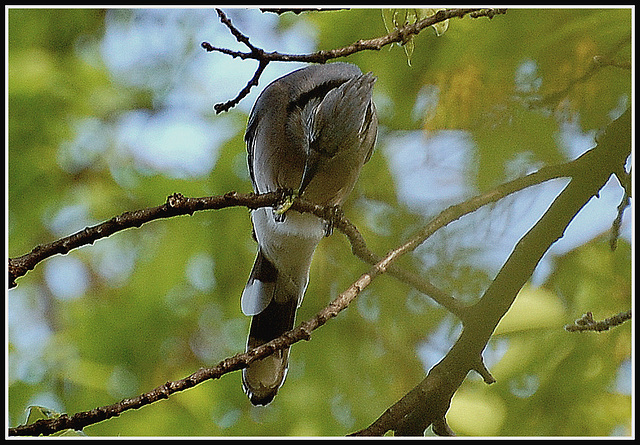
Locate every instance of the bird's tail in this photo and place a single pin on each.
(266, 286)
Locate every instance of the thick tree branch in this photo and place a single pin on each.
(429, 401)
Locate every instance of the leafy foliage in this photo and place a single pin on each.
(154, 304)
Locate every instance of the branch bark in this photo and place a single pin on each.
(587, 322)
(429, 401)
(176, 204)
(399, 35)
(302, 332)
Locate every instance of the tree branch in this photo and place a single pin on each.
(302, 332)
(429, 401)
(176, 204)
(587, 323)
(297, 11)
(398, 35)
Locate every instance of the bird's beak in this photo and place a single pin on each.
(310, 170)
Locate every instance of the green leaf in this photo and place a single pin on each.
(37, 412)
(397, 18)
(440, 27)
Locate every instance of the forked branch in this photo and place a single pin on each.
(398, 35)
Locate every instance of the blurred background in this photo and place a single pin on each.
(112, 110)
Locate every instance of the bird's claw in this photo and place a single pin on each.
(287, 201)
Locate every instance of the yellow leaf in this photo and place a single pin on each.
(534, 308)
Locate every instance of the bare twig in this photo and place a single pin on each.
(226, 106)
(587, 323)
(624, 203)
(399, 35)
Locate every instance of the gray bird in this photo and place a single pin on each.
(310, 131)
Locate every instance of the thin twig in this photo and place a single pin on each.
(297, 11)
(398, 35)
(587, 323)
(226, 106)
(617, 222)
